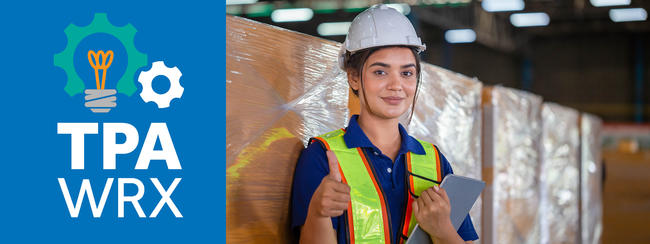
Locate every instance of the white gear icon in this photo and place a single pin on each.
(175, 89)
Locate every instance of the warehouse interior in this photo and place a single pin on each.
(589, 56)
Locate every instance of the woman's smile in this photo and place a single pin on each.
(393, 100)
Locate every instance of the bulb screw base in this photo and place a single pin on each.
(100, 100)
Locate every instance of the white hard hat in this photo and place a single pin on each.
(377, 26)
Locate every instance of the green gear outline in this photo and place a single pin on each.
(100, 24)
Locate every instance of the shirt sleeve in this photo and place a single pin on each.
(312, 166)
(466, 230)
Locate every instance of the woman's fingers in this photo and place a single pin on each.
(331, 197)
(415, 206)
(426, 197)
(420, 203)
(435, 194)
(332, 206)
(443, 194)
(335, 189)
(432, 211)
(334, 213)
(339, 197)
(336, 205)
(340, 187)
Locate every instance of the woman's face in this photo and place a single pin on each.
(389, 82)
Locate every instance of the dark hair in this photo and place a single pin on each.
(355, 62)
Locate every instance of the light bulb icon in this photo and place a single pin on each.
(100, 100)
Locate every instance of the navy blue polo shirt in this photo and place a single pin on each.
(313, 166)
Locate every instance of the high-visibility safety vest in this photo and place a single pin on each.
(367, 218)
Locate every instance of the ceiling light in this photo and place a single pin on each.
(502, 5)
(605, 3)
(529, 19)
(333, 28)
(292, 14)
(628, 14)
(460, 36)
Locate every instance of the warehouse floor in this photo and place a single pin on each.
(626, 200)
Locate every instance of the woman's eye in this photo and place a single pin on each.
(380, 72)
(407, 73)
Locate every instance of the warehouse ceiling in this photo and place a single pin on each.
(493, 29)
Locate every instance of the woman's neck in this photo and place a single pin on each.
(383, 133)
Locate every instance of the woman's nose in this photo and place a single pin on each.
(395, 83)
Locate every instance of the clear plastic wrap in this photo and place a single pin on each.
(282, 87)
(511, 158)
(560, 175)
(448, 114)
(591, 179)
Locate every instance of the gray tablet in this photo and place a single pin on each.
(462, 192)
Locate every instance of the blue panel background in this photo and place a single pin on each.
(188, 35)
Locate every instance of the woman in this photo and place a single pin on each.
(371, 182)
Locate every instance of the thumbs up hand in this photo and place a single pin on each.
(332, 197)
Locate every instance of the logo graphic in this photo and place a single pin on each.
(101, 61)
(102, 100)
(175, 88)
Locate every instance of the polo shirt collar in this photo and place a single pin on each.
(355, 137)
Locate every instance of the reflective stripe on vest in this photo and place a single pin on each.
(367, 216)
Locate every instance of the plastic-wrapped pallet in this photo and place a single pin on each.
(591, 179)
(560, 175)
(282, 87)
(448, 114)
(511, 165)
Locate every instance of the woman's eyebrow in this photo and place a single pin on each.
(380, 64)
(388, 66)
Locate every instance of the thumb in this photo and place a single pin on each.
(334, 166)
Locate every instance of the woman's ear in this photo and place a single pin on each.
(353, 79)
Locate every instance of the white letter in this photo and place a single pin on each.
(77, 132)
(168, 153)
(111, 149)
(85, 187)
(133, 199)
(165, 198)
